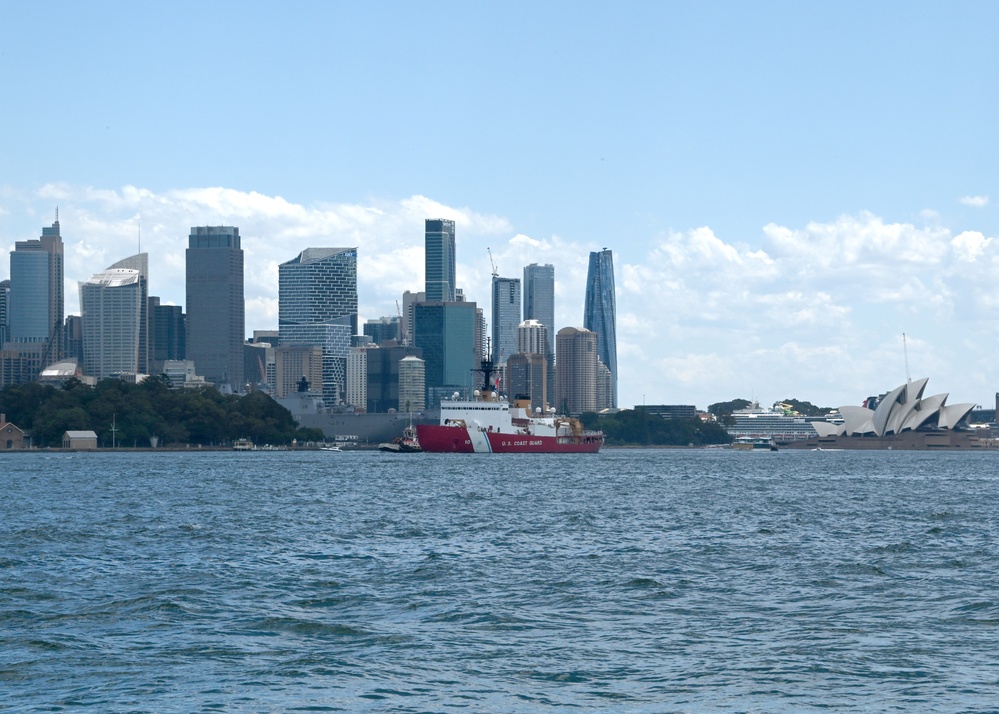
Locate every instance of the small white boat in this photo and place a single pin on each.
(330, 448)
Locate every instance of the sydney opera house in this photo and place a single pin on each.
(903, 419)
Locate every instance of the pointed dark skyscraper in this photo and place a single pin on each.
(600, 314)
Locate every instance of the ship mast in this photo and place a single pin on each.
(486, 368)
(905, 352)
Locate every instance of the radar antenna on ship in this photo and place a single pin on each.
(486, 369)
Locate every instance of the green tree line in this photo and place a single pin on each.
(639, 427)
(138, 411)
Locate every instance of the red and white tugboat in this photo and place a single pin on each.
(488, 424)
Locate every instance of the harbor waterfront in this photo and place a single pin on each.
(630, 580)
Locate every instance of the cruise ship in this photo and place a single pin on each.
(759, 422)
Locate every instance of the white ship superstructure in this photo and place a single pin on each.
(759, 422)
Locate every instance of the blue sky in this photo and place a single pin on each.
(787, 187)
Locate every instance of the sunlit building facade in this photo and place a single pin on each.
(111, 305)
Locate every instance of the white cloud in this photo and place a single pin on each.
(975, 201)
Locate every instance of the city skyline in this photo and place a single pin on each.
(787, 188)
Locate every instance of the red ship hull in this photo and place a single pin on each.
(437, 439)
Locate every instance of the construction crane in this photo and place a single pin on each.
(403, 331)
(492, 262)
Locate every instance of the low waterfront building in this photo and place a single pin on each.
(80, 440)
(11, 437)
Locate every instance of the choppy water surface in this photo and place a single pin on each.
(641, 581)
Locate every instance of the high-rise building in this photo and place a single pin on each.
(539, 295)
(576, 371)
(539, 304)
(317, 305)
(600, 313)
(110, 314)
(215, 308)
(140, 262)
(532, 337)
(445, 331)
(167, 334)
(439, 256)
(506, 317)
(382, 390)
(35, 331)
(383, 329)
(409, 299)
(37, 302)
(292, 364)
(4, 299)
(357, 378)
(412, 384)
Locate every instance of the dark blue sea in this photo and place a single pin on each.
(629, 581)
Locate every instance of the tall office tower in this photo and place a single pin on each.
(532, 339)
(445, 331)
(506, 317)
(576, 371)
(539, 304)
(539, 295)
(4, 299)
(167, 334)
(527, 375)
(412, 384)
(215, 308)
(600, 314)
(110, 313)
(140, 262)
(317, 305)
(36, 307)
(439, 255)
(408, 300)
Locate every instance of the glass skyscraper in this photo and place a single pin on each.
(600, 313)
(539, 304)
(506, 318)
(317, 305)
(539, 295)
(445, 331)
(216, 323)
(37, 302)
(439, 256)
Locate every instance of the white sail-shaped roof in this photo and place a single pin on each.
(857, 420)
(902, 409)
(952, 415)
